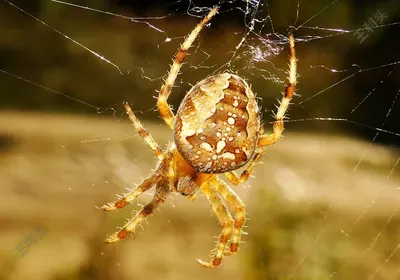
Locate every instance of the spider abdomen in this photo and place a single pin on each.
(217, 124)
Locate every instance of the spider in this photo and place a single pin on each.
(216, 130)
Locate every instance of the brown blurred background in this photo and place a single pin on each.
(323, 205)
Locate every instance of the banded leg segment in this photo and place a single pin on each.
(224, 219)
(237, 205)
(235, 179)
(161, 193)
(131, 196)
(269, 139)
(163, 106)
(143, 132)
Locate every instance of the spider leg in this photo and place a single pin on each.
(131, 196)
(237, 205)
(235, 179)
(224, 219)
(161, 194)
(143, 132)
(162, 104)
(269, 139)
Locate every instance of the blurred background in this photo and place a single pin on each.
(322, 205)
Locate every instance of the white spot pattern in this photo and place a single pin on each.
(220, 146)
(228, 155)
(206, 146)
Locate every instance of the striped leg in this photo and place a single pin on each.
(235, 179)
(131, 196)
(269, 139)
(236, 204)
(143, 132)
(163, 106)
(224, 219)
(161, 193)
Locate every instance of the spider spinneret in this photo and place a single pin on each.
(216, 131)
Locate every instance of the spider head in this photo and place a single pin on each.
(218, 124)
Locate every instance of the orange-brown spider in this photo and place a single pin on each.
(216, 130)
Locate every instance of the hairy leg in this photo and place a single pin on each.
(162, 191)
(236, 204)
(143, 132)
(224, 219)
(129, 197)
(269, 139)
(235, 179)
(163, 106)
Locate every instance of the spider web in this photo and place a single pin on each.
(348, 89)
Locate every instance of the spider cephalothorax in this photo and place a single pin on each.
(216, 130)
